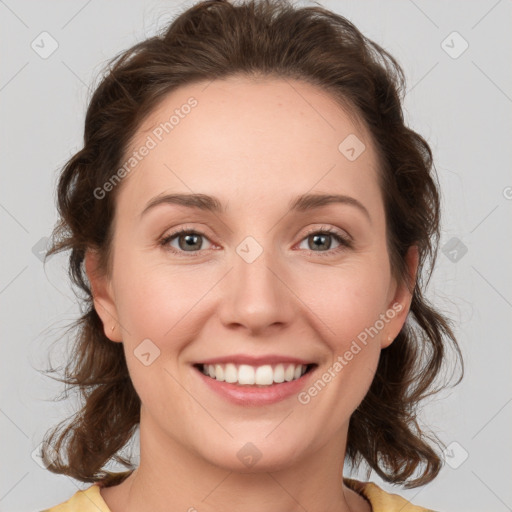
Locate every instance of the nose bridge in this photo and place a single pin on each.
(257, 296)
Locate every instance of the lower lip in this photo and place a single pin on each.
(254, 395)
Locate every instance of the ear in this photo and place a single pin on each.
(401, 302)
(103, 296)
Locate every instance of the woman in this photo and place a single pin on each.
(249, 220)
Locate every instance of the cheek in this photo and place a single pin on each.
(153, 301)
(348, 299)
(157, 313)
(348, 309)
(159, 301)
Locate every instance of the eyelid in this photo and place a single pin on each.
(165, 239)
(331, 230)
(346, 241)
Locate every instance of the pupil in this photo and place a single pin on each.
(189, 240)
(317, 237)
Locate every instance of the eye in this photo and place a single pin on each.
(188, 240)
(321, 239)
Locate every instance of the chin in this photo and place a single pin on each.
(243, 456)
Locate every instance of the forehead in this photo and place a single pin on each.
(254, 139)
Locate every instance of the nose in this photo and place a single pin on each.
(256, 294)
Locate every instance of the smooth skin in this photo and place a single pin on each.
(255, 145)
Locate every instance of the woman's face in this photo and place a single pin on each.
(256, 285)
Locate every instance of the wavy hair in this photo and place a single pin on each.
(270, 39)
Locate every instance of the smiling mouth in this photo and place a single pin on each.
(259, 376)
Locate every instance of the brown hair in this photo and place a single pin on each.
(268, 38)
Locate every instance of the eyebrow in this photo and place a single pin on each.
(302, 203)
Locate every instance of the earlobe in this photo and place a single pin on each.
(103, 296)
(401, 303)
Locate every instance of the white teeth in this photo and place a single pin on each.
(289, 373)
(264, 375)
(279, 373)
(230, 373)
(247, 375)
(219, 372)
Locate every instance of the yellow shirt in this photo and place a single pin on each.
(90, 499)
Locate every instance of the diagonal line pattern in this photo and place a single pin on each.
(424, 76)
(280, 423)
(199, 403)
(424, 14)
(485, 15)
(75, 15)
(204, 88)
(310, 189)
(14, 423)
(75, 484)
(113, 317)
(508, 508)
(287, 492)
(13, 279)
(495, 289)
(206, 293)
(217, 486)
(410, 503)
(492, 81)
(301, 300)
(14, 218)
(492, 418)
(14, 76)
(3, 3)
(286, 80)
(74, 73)
(484, 218)
(17, 483)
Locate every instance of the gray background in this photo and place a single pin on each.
(460, 101)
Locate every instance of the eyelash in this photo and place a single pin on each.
(344, 241)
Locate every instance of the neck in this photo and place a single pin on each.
(173, 475)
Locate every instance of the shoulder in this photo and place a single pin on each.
(380, 500)
(88, 500)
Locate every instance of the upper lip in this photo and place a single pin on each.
(254, 360)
